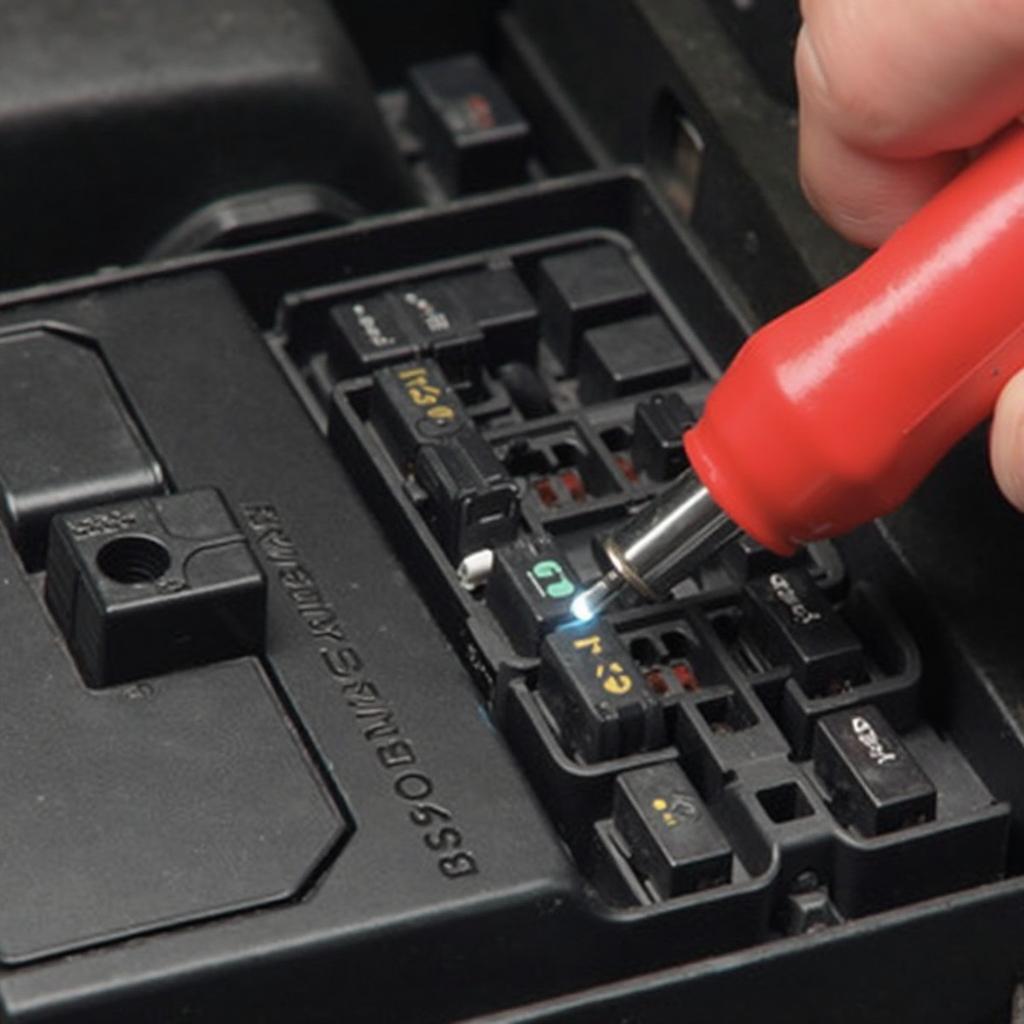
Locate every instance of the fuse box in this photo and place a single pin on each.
(298, 723)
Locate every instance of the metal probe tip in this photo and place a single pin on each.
(659, 546)
(592, 601)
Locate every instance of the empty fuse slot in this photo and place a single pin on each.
(644, 652)
(785, 802)
(618, 439)
(727, 714)
(726, 623)
(664, 660)
(558, 470)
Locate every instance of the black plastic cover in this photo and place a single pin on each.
(118, 119)
(146, 587)
(66, 439)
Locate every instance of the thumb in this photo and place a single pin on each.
(1007, 441)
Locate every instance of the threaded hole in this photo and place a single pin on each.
(133, 560)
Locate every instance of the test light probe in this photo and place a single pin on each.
(833, 413)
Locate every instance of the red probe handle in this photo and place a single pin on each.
(833, 413)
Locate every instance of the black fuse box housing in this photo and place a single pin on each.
(90, 452)
(293, 523)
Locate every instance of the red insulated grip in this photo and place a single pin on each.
(833, 413)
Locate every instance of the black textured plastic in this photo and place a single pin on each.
(415, 791)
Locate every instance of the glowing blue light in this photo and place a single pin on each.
(581, 608)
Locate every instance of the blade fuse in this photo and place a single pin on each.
(833, 413)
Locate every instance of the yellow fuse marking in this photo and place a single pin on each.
(618, 682)
(660, 804)
(612, 676)
(421, 392)
(591, 643)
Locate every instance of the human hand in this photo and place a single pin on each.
(894, 94)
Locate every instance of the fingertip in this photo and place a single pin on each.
(1006, 443)
(909, 79)
(864, 197)
(809, 70)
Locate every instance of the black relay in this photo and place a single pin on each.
(585, 288)
(630, 356)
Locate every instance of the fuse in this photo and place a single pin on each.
(597, 695)
(437, 313)
(366, 334)
(389, 327)
(473, 502)
(875, 784)
(795, 624)
(673, 841)
(530, 591)
(412, 405)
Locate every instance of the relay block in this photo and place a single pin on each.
(297, 722)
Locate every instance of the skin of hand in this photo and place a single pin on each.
(894, 95)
